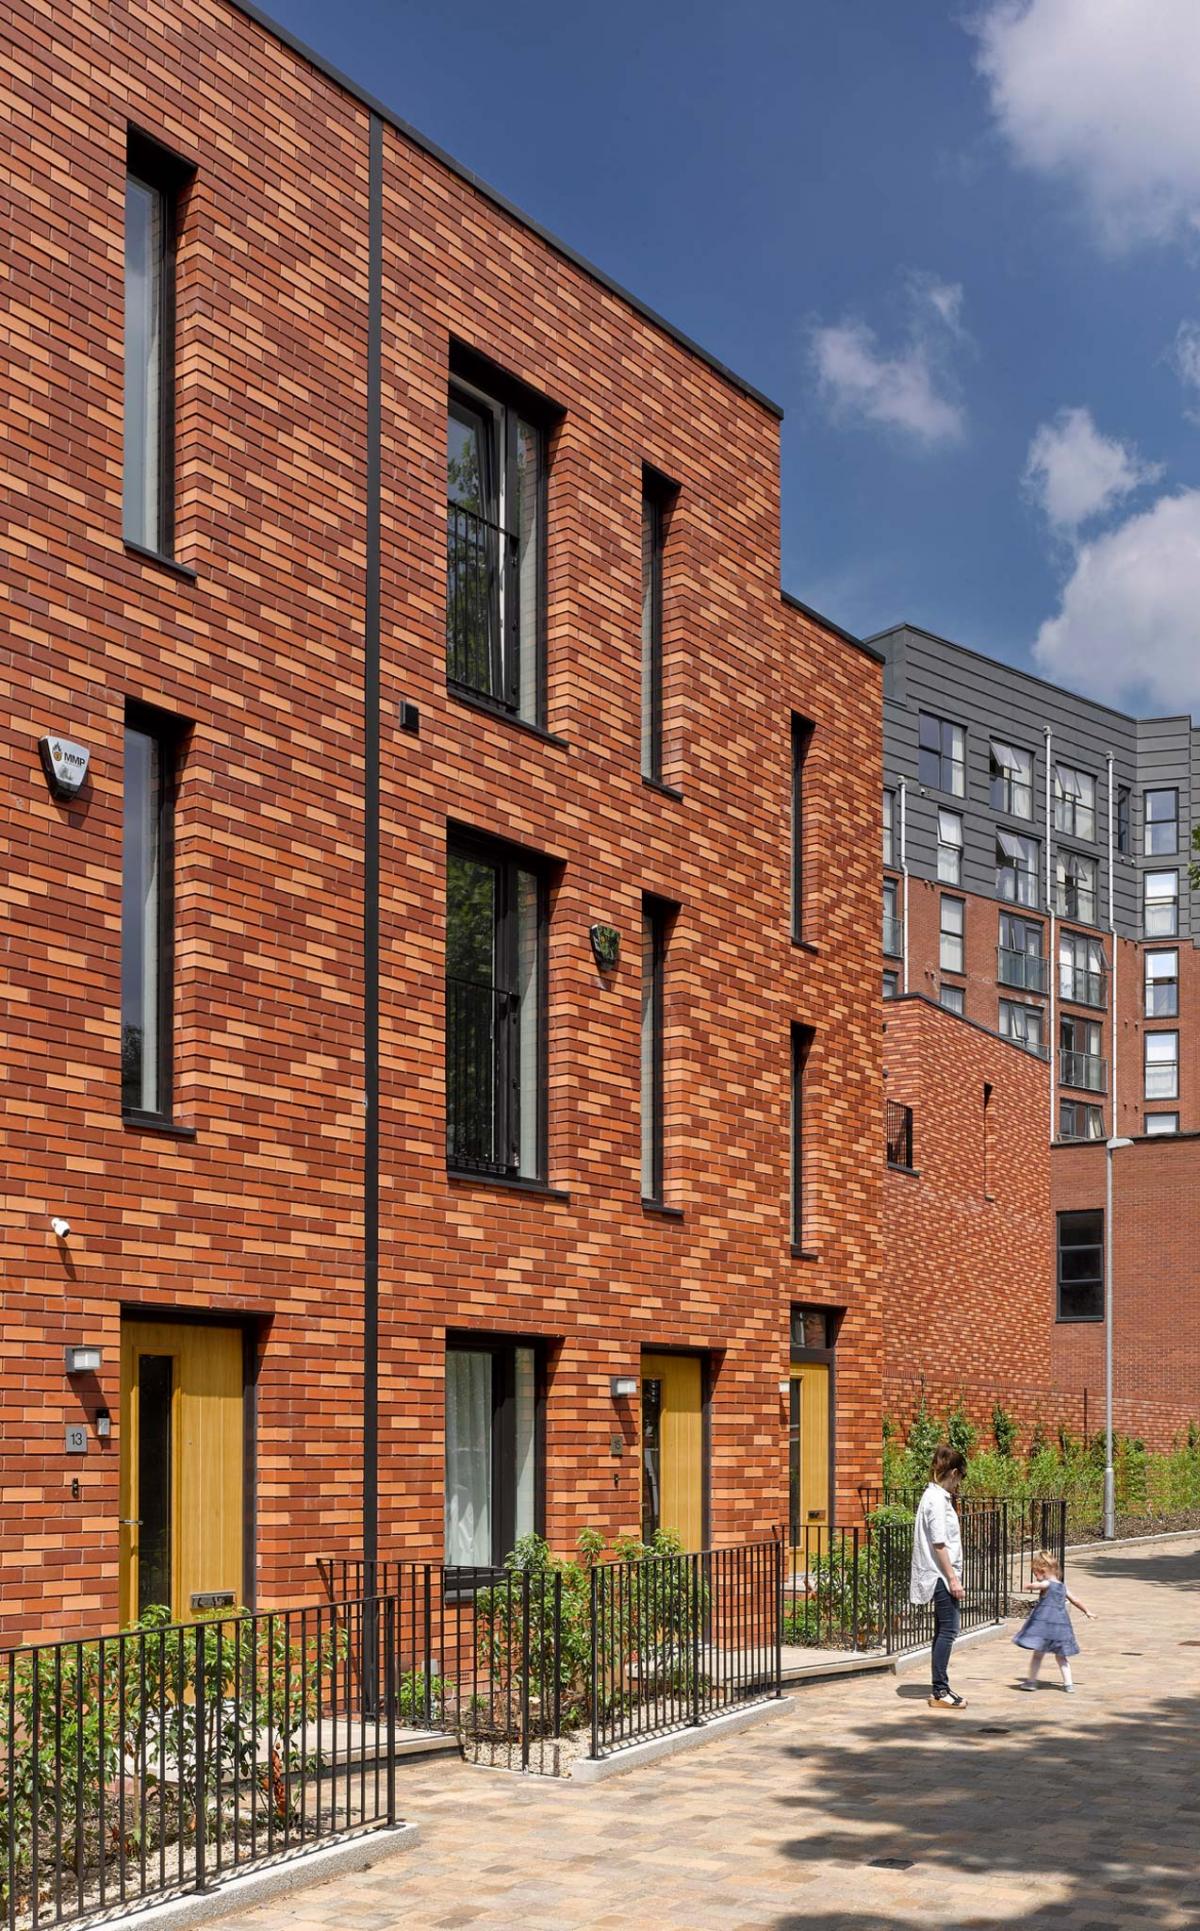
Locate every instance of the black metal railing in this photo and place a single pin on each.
(482, 1034)
(481, 605)
(831, 1595)
(165, 1758)
(1026, 971)
(899, 1131)
(908, 1625)
(1087, 1072)
(677, 1639)
(1030, 1523)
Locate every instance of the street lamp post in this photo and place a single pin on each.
(1110, 1480)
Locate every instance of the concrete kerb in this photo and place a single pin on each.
(590, 1770)
(294, 1871)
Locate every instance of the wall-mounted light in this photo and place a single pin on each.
(61, 1227)
(623, 1386)
(103, 1424)
(84, 1360)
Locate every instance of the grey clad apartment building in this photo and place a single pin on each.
(1035, 849)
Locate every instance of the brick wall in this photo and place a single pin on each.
(259, 1215)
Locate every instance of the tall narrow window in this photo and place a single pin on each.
(1074, 801)
(655, 922)
(1162, 823)
(1079, 1061)
(802, 735)
(949, 846)
(952, 928)
(1010, 776)
(889, 828)
(893, 924)
(1124, 832)
(151, 755)
(153, 182)
(657, 496)
(495, 1045)
(1075, 887)
(1081, 1266)
(1016, 867)
(492, 1416)
(1162, 1066)
(495, 544)
(802, 1040)
(1162, 984)
(1160, 904)
(941, 754)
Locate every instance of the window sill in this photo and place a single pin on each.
(512, 1183)
(661, 1208)
(664, 789)
(896, 1166)
(164, 562)
(475, 702)
(804, 1253)
(155, 1123)
(1078, 1320)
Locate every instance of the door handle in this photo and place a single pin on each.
(130, 1521)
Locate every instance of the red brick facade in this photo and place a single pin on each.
(259, 1216)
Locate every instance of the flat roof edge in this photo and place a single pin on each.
(498, 200)
(827, 623)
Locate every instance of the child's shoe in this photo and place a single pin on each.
(1023, 1683)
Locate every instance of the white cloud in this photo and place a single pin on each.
(910, 390)
(1074, 473)
(1128, 623)
(1103, 95)
(1185, 359)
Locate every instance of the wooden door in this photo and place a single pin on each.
(808, 1449)
(673, 1446)
(182, 1466)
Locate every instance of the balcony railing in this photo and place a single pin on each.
(899, 1125)
(481, 593)
(481, 1058)
(1028, 971)
(1082, 986)
(1085, 1071)
(893, 937)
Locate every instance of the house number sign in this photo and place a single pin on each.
(77, 1435)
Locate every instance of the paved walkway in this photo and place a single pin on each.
(1074, 1813)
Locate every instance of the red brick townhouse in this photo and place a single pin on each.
(441, 1036)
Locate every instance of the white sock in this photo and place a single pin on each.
(1065, 1667)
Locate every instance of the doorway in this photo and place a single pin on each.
(183, 1506)
(808, 1450)
(673, 1473)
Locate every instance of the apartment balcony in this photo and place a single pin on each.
(1087, 1072)
(1027, 971)
(1081, 987)
(893, 937)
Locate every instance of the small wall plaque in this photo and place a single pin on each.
(77, 1438)
(606, 946)
(212, 1599)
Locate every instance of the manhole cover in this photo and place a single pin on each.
(890, 1863)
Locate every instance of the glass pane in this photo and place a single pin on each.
(144, 239)
(1078, 1302)
(529, 1023)
(525, 1445)
(526, 615)
(650, 1059)
(1162, 1123)
(472, 551)
(1081, 1229)
(794, 1400)
(476, 1012)
(155, 1376)
(651, 1459)
(651, 626)
(140, 889)
(468, 1457)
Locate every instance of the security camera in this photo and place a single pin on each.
(61, 1227)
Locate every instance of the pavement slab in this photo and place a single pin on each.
(857, 1809)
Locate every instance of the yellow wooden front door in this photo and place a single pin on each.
(182, 1471)
(808, 1448)
(673, 1447)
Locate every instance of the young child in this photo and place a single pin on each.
(1048, 1624)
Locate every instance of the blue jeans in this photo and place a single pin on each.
(945, 1628)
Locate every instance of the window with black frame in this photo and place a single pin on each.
(1016, 867)
(492, 1466)
(495, 979)
(802, 738)
(1075, 887)
(941, 754)
(495, 547)
(657, 498)
(656, 920)
(802, 1045)
(1081, 1265)
(154, 180)
(1074, 801)
(152, 750)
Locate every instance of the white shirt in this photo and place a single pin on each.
(937, 1522)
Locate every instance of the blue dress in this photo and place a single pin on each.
(1048, 1624)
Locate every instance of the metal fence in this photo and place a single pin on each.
(1030, 1523)
(676, 1639)
(164, 1758)
(908, 1625)
(831, 1597)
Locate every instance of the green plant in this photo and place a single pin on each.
(1005, 1431)
(960, 1431)
(923, 1437)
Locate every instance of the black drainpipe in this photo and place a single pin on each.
(370, 1530)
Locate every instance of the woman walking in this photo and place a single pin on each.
(936, 1574)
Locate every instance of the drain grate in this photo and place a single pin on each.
(890, 1863)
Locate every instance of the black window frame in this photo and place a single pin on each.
(1032, 974)
(945, 899)
(659, 495)
(167, 175)
(1005, 1008)
(1069, 896)
(1124, 818)
(503, 1350)
(1067, 807)
(1083, 984)
(803, 1038)
(1001, 780)
(894, 978)
(1094, 1245)
(1160, 952)
(890, 824)
(657, 918)
(946, 761)
(803, 732)
(1166, 1032)
(1159, 791)
(1160, 871)
(169, 733)
(1007, 868)
(952, 998)
(1075, 1108)
(508, 861)
(479, 384)
(1162, 1133)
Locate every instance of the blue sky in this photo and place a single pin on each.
(959, 248)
